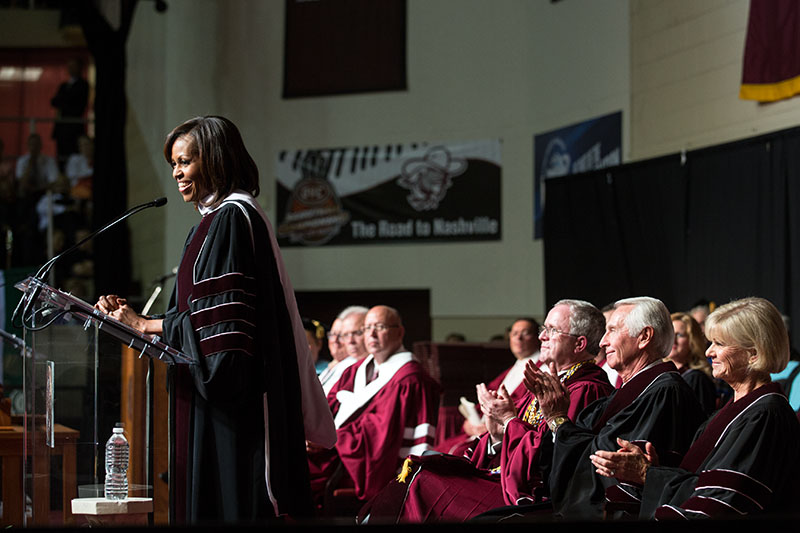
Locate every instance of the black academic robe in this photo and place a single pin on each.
(655, 405)
(703, 387)
(744, 461)
(239, 422)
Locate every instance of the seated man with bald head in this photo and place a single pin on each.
(384, 409)
(654, 404)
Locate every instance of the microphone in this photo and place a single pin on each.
(158, 202)
(45, 269)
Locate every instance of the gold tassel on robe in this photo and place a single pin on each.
(405, 471)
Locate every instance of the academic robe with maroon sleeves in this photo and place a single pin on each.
(251, 398)
(461, 443)
(743, 462)
(449, 488)
(520, 392)
(322, 463)
(655, 405)
(527, 450)
(379, 423)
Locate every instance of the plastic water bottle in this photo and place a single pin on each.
(116, 487)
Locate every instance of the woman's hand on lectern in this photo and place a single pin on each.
(110, 303)
(127, 315)
(118, 308)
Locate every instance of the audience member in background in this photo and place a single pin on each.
(524, 344)
(447, 488)
(700, 311)
(7, 200)
(337, 351)
(688, 354)
(794, 355)
(75, 272)
(70, 102)
(346, 344)
(384, 409)
(744, 460)
(315, 333)
(6, 174)
(36, 173)
(455, 337)
(80, 169)
(654, 403)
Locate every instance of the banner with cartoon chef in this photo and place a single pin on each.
(383, 194)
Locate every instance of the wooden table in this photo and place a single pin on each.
(11, 455)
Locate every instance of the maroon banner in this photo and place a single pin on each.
(344, 46)
(771, 65)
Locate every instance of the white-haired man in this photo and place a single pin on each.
(346, 344)
(654, 404)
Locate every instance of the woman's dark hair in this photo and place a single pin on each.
(225, 163)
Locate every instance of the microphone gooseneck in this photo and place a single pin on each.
(158, 202)
(45, 268)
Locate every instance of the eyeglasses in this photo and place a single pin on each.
(345, 336)
(551, 331)
(380, 328)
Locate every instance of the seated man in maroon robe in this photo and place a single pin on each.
(448, 488)
(346, 344)
(524, 344)
(384, 409)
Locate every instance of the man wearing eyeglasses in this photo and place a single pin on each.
(569, 342)
(654, 404)
(385, 408)
(346, 344)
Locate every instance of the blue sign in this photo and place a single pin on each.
(589, 145)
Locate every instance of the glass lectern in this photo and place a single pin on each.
(71, 390)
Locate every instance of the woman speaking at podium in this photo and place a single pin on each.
(245, 408)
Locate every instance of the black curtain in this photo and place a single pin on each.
(713, 224)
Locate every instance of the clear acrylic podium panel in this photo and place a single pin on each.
(71, 388)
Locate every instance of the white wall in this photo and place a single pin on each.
(686, 68)
(477, 69)
(22, 28)
(171, 76)
(505, 69)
